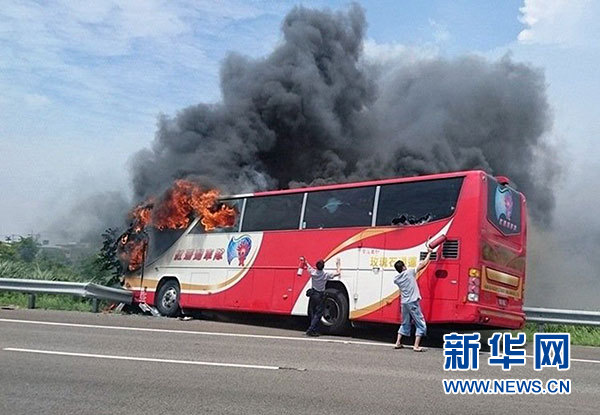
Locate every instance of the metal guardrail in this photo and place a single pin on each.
(85, 290)
(558, 316)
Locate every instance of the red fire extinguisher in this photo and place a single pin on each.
(437, 241)
(301, 266)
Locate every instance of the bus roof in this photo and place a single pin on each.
(358, 184)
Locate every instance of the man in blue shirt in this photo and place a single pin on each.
(315, 303)
(410, 298)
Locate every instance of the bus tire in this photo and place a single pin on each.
(167, 298)
(335, 312)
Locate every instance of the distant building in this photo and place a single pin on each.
(71, 251)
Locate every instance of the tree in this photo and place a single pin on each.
(107, 259)
(27, 249)
(7, 252)
(91, 269)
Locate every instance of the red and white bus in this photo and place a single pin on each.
(476, 277)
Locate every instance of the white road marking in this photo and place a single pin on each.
(143, 359)
(203, 333)
(572, 359)
(211, 333)
(575, 360)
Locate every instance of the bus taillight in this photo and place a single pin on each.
(474, 285)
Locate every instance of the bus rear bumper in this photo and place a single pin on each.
(496, 317)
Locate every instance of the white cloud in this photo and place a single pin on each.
(395, 53)
(439, 31)
(82, 83)
(37, 100)
(562, 22)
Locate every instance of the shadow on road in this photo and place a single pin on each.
(361, 331)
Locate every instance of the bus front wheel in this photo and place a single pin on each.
(335, 311)
(167, 298)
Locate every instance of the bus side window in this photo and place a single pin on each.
(417, 202)
(268, 213)
(234, 203)
(339, 208)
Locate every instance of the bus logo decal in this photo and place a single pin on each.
(200, 254)
(504, 204)
(239, 248)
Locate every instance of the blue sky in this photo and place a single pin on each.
(83, 82)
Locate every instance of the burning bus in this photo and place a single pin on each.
(242, 252)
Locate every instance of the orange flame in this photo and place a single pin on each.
(141, 216)
(136, 255)
(174, 210)
(186, 199)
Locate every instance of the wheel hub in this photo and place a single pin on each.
(331, 312)
(169, 298)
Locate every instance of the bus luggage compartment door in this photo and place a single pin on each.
(440, 281)
(283, 289)
(366, 302)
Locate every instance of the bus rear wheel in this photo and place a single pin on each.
(335, 312)
(167, 298)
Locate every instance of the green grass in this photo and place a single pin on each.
(580, 335)
(48, 301)
(42, 268)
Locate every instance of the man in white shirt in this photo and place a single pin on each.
(315, 303)
(410, 298)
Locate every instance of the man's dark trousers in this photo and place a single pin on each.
(315, 309)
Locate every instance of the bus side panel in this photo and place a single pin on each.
(283, 289)
(208, 275)
(447, 277)
(262, 289)
(401, 243)
(278, 260)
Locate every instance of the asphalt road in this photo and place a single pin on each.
(67, 362)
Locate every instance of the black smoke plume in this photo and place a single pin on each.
(318, 110)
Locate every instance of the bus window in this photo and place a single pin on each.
(504, 207)
(417, 202)
(339, 208)
(234, 203)
(268, 213)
